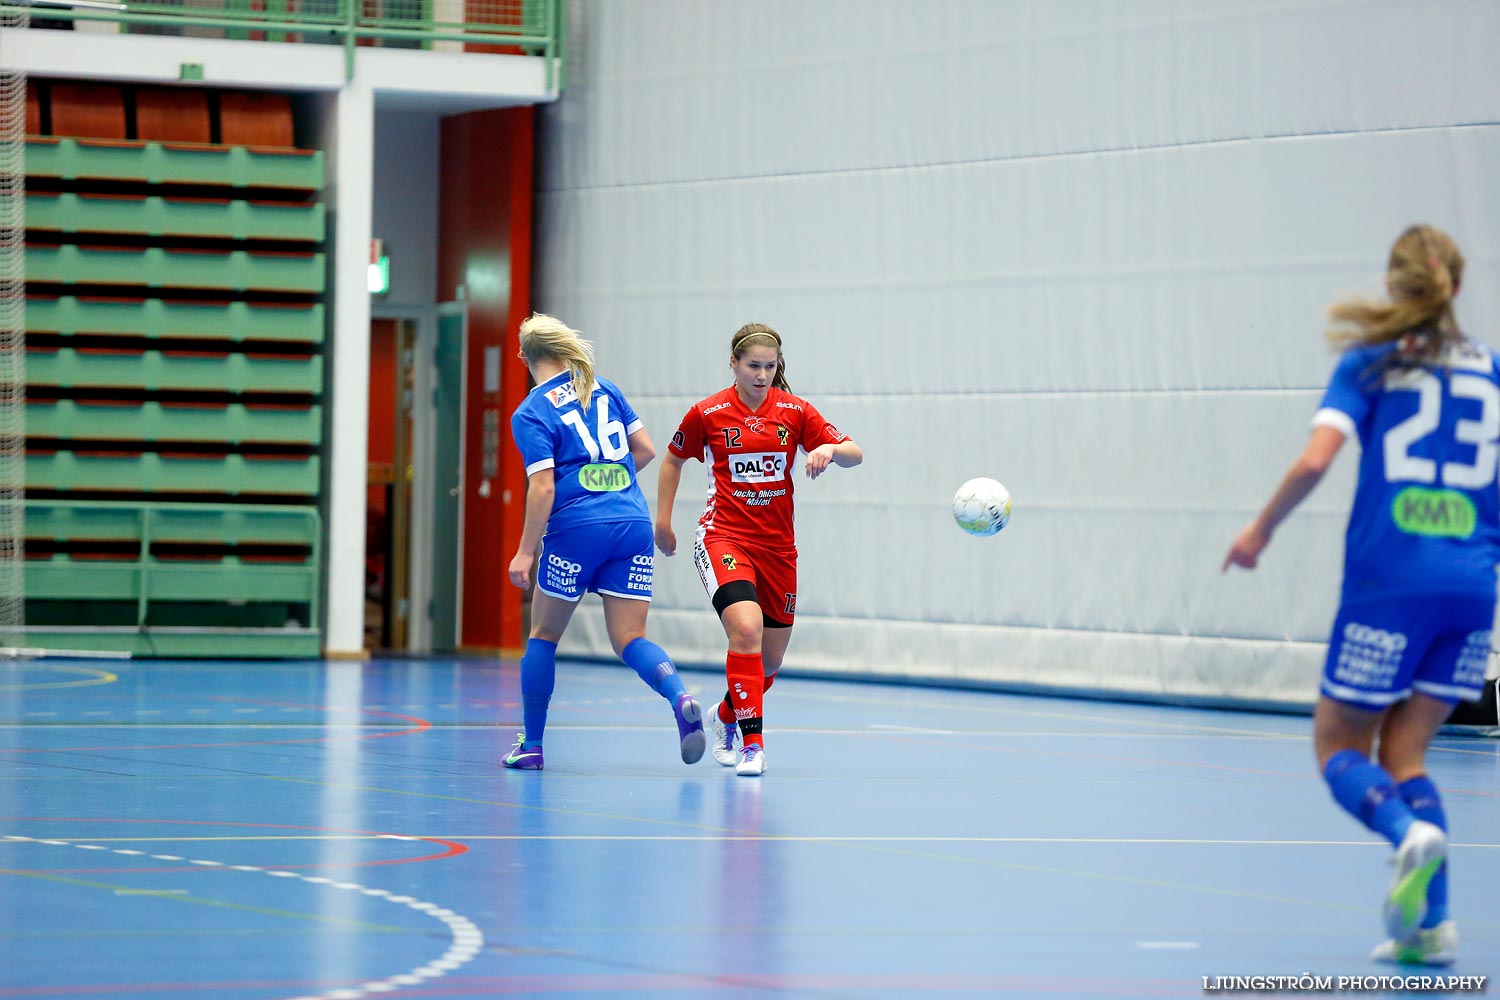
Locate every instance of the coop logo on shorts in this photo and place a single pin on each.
(640, 574)
(562, 565)
(1365, 635)
(758, 467)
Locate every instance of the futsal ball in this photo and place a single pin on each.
(981, 506)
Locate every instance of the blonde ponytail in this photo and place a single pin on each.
(1422, 275)
(544, 336)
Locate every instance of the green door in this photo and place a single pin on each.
(447, 483)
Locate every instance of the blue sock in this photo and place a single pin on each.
(538, 678)
(655, 667)
(1421, 796)
(1368, 794)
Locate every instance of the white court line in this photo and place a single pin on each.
(712, 838)
(466, 938)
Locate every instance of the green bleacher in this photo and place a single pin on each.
(175, 381)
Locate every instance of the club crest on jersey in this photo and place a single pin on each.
(728, 561)
(563, 395)
(755, 423)
(783, 435)
(758, 467)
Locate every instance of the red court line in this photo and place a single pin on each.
(454, 848)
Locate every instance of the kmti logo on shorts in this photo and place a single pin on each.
(758, 467)
(604, 477)
(1434, 513)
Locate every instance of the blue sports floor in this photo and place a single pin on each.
(189, 830)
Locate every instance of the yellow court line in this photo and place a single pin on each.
(184, 898)
(95, 676)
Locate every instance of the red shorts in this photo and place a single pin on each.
(773, 574)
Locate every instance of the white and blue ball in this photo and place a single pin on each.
(981, 507)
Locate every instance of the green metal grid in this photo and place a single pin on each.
(532, 27)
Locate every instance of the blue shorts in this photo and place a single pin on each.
(1383, 648)
(610, 557)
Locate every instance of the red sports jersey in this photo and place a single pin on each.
(750, 493)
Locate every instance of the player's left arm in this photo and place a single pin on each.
(846, 455)
(641, 448)
(1322, 447)
(826, 445)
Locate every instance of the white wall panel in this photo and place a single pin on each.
(681, 90)
(1083, 248)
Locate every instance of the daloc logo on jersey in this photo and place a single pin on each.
(758, 467)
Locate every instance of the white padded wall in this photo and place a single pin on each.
(1082, 248)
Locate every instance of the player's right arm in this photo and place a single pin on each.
(686, 443)
(541, 489)
(534, 441)
(667, 481)
(1298, 482)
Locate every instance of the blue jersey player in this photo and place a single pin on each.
(587, 528)
(1413, 628)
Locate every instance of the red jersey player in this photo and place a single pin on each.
(745, 546)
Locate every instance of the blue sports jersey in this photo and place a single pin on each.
(588, 452)
(1426, 516)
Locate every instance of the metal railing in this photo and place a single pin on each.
(527, 27)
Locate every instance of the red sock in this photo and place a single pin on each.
(747, 679)
(726, 710)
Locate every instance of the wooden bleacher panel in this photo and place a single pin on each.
(249, 118)
(33, 110)
(87, 110)
(172, 114)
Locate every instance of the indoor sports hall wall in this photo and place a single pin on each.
(1082, 248)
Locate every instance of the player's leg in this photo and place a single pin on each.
(745, 671)
(1373, 655)
(549, 620)
(776, 592)
(728, 576)
(564, 570)
(1453, 669)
